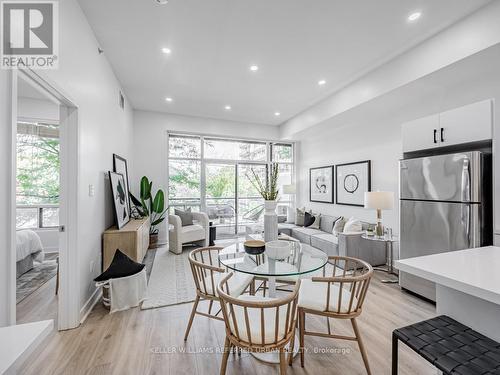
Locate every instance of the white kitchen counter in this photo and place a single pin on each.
(19, 341)
(467, 285)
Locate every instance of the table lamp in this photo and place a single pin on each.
(379, 200)
(290, 190)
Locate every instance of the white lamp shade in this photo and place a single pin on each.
(289, 189)
(383, 200)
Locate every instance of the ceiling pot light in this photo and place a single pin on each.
(414, 16)
(277, 113)
(227, 107)
(166, 50)
(254, 68)
(321, 82)
(169, 99)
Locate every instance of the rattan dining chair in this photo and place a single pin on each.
(340, 296)
(258, 324)
(207, 273)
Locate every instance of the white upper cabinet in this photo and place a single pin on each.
(421, 133)
(470, 123)
(467, 124)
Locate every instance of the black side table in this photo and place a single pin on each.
(212, 234)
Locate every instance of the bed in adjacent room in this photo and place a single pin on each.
(29, 249)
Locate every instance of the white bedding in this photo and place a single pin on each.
(28, 242)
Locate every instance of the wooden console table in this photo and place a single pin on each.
(132, 239)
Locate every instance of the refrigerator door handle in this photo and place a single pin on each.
(467, 221)
(466, 196)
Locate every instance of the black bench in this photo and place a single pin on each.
(450, 346)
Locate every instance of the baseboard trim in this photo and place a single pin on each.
(89, 305)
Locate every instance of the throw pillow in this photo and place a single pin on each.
(312, 220)
(353, 225)
(186, 216)
(300, 216)
(338, 227)
(308, 219)
(121, 266)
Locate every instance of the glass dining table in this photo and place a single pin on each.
(300, 260)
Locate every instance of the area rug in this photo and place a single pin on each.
(30, 281)
(170, 282)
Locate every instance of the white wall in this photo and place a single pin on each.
(380, 143)
(474, 33)
(373, 130)
(37, 109)
(150, 129)
(7, 270)
(86, 78)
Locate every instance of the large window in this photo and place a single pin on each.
(37, 188)
(210, 174)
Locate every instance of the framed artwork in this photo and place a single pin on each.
(321, 184)
(120, 166)
(122, 212)
(353, 180)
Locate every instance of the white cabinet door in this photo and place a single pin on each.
(466, 124)
(419, 134)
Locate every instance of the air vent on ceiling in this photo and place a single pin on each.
(122, 101)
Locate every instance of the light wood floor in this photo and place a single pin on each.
(151, 342)
(39, 305)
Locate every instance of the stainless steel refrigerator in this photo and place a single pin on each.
(445, 206)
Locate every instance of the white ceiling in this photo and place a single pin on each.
(295, 43)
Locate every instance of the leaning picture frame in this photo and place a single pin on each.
(122, 213)
(120, 166)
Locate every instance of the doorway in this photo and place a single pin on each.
(44, 284)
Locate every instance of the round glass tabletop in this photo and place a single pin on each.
(302, 259)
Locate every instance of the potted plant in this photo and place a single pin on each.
(268, 189)
(152, 206)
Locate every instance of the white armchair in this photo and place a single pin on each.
(197, 233)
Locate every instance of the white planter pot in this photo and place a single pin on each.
(270, 221)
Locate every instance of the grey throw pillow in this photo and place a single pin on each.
(186, 217)
(300, 214)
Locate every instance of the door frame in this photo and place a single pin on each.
(69, 280)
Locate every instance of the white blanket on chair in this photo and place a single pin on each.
(28, 242)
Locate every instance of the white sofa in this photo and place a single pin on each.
(198, 233)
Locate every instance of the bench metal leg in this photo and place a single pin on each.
(394, 354)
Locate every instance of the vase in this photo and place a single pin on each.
(270, 221)
(153, 241)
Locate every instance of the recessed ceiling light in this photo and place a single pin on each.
(414, 16)
(321, 82)
(254, 68)
(168, 99)
(227, 107)
(166, 50)
(277, 113)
